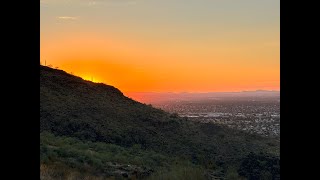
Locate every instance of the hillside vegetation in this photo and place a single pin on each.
(91, 130)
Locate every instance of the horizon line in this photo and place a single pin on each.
(195, 92)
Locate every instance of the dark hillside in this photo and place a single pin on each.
(73, 107)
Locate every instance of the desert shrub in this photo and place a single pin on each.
(78, 154)
(185, 171)
(232, 174)
(260, 166)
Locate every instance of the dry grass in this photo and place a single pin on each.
(55, 172)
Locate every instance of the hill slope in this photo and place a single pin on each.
(95, 112)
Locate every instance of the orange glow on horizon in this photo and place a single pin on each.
(131, 79)
(144, 68)
(90, 78)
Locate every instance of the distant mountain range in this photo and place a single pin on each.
(155, 97)
(90, 130)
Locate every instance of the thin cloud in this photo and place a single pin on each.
(67, 18)
(110, 2)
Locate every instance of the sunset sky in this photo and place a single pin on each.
(165, 45)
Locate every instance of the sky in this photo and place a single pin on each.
(165, 45)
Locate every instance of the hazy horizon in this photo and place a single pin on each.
(153, 97)
(203, 92)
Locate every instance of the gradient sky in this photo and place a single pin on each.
(165, 45)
